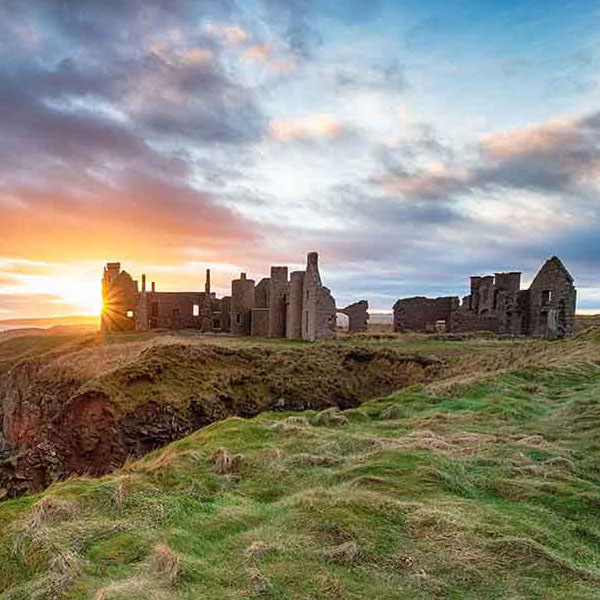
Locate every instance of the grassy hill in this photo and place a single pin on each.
(483, 484)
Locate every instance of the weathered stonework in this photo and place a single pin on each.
(278, 301)
(242, 303)
(125, 308)
(119, 299)
(422, 314)
(496, 303)
(357, 314)
(207, 309)
(297, 308)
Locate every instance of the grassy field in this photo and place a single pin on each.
(484, 484)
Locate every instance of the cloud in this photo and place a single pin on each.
(116, 144)
(7, 280)
(556, 156)
(358, 74)
(158, 131)
(257, 52)
(227, 34)
(27, 305)
(317, 126)
(136, 214)
(553, 158)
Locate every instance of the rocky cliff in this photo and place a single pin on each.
(85, 408)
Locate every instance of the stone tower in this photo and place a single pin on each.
(242, 303)
(119, 298)
(207, 317)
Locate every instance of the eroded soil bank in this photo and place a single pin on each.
(60, 419)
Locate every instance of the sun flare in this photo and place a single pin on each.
(85, 295)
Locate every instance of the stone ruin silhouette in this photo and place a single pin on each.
(498, 304)
(297, 306)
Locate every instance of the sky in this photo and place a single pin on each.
(412, 144)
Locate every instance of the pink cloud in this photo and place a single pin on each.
(533, 138)
(228, 34)
(317, 126)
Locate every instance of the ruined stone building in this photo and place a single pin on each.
(498, 304)
(126, 307)
(295, 307)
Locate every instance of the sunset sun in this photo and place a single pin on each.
(85, 296)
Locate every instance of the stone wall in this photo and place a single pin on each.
(552, 300)
(420, 313)
(357, 314)
(326, 314)
(242, 303)
(298, 308)
(278, 292)
(260, 322)
(261, 293)
(318, 306)
(546, 309)
(172, 310)
(461, 322)
(226, 314)
(293, 329)
(119, 297)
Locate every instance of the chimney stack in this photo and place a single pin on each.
(143, 282)
(153, 286)
(207, 284)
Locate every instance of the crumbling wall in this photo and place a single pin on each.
(326, 314)
(552, 300)
(461, 322)
(261, 293)
(420, 313)
(293, 327)
(226, 314)
(278, 291)
(297, 308)
(174, 310)
(496, 303)
(357, 314)
(206, 311)
(242, 303)
(318, 306)
(119, 297)
(260, 322)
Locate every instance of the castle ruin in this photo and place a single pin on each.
(297, 306)
(498, 304)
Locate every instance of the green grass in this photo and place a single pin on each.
(485, 490)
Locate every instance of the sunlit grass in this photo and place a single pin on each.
(484, 490)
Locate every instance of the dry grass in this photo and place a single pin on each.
(259, 583)
(45, 513)
(346, 553)
(257, 550)
(529, 552)
(225, 463)
(164, 565)
(331, 417)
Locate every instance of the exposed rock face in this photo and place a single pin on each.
(56, 423)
